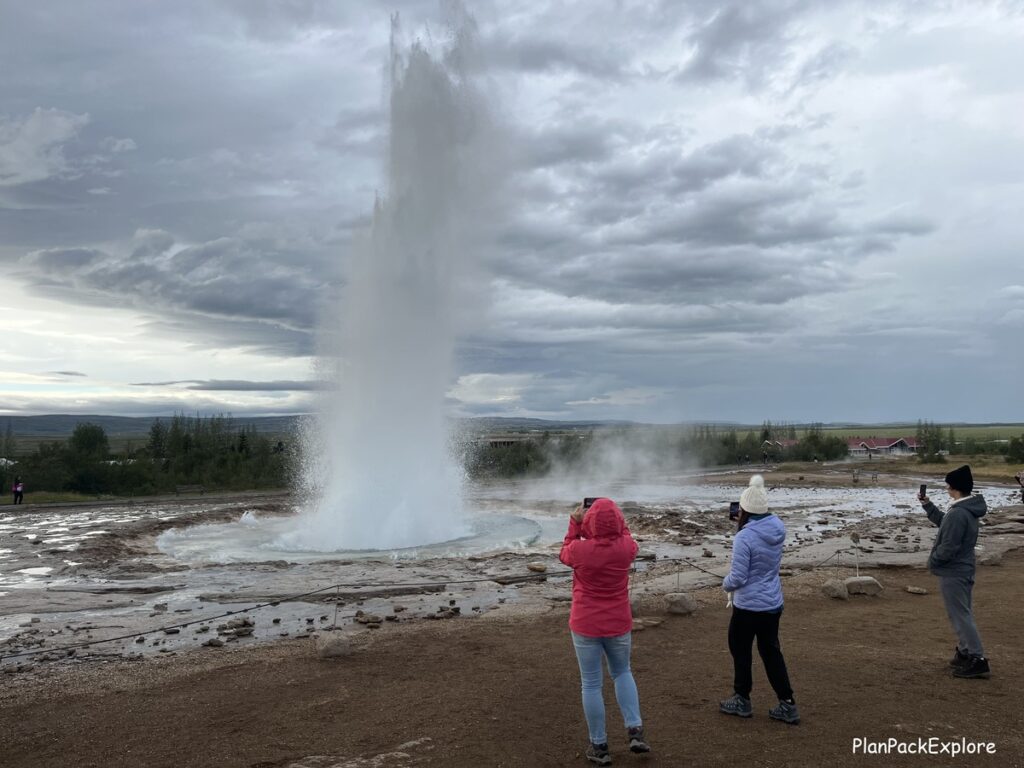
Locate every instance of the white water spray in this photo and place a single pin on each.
(380, 465)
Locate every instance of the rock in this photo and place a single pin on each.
(160, 607)
(537, 567)
(785, 572)
(214, 642)
(638, 626)
(172, 631)
(917, 590)
(140, 639)
(276, 620)
(652, 622)
(835, 588)
(635, 605)
(863, 585)
(992, 558)
(680, 603)
(646, 554)
(707, 553)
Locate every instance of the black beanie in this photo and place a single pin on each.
(960, 479)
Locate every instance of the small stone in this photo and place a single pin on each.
(646, 554)
(397, 608)
(172, 631)
(863, 585)
(537, 567)
(638, 626)
(331, 646)
(680, 603)
(214, 642)
(202, 629)
(160, 607)
(34, 620)
(785, 572)
(276, 620)
(917, 590)
(707, 553)
(140, 639)
(836, 589)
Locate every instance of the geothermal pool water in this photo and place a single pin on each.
(101, 571)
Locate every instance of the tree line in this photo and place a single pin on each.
(214, 452)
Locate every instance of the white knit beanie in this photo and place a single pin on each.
(755, 499)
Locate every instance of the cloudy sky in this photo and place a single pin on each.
(788, 210)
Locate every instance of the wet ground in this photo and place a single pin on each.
(182, 574)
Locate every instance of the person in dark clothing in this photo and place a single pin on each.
(952, 560)
(755, 592)
(19, 490)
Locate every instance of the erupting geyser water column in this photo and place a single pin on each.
(380, 466)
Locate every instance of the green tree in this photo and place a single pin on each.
(89, 442)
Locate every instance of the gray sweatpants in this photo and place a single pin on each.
(956, 594)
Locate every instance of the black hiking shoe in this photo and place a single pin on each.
(960, 659)
(736, 705)
(786, 712)
(598, 754)
(975, 668)
(637, 742)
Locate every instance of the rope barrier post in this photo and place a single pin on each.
(337, 600)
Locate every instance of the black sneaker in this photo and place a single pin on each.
(736, 705)
(637, 742)
(598, 754)
(786, 712)
(960, 659)
(976, 667)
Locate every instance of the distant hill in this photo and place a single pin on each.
(59, 426)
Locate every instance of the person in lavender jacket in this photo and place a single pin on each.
(756, 596)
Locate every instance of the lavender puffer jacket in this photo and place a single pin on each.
(756, 557)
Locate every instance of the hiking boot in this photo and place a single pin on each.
(637, 742)
(598, 754)
(736, 705)
(976, 667)
(786, 712)
(960, 659)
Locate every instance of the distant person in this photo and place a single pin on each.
(1019, 477)
(952, 560)
(756, 597)
(600, 549)
(18, 489)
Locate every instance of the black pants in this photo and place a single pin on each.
(18, 496)
(743, 628)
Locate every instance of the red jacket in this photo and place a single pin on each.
(600, 552)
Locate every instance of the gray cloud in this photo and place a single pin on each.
(236, 385)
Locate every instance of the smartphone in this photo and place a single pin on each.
(734, 510)
(588, 502)
(923, 491)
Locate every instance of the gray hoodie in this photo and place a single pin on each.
(953, 550)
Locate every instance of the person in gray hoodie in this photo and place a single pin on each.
(756, 596)
(952, 560)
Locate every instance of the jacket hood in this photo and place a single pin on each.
(604, 520)
(768, 529)
(974, 504)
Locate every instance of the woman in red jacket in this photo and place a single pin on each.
(600, 550)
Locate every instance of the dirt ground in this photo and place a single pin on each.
(505, 692)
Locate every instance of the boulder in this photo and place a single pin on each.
(917, 590)
(537, 567)
(863, 585)
(331, 646)
(835, 588)
(680, 603)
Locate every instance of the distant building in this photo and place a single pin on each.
(881, 446)
(768, 445)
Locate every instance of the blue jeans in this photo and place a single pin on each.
(589, 651)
